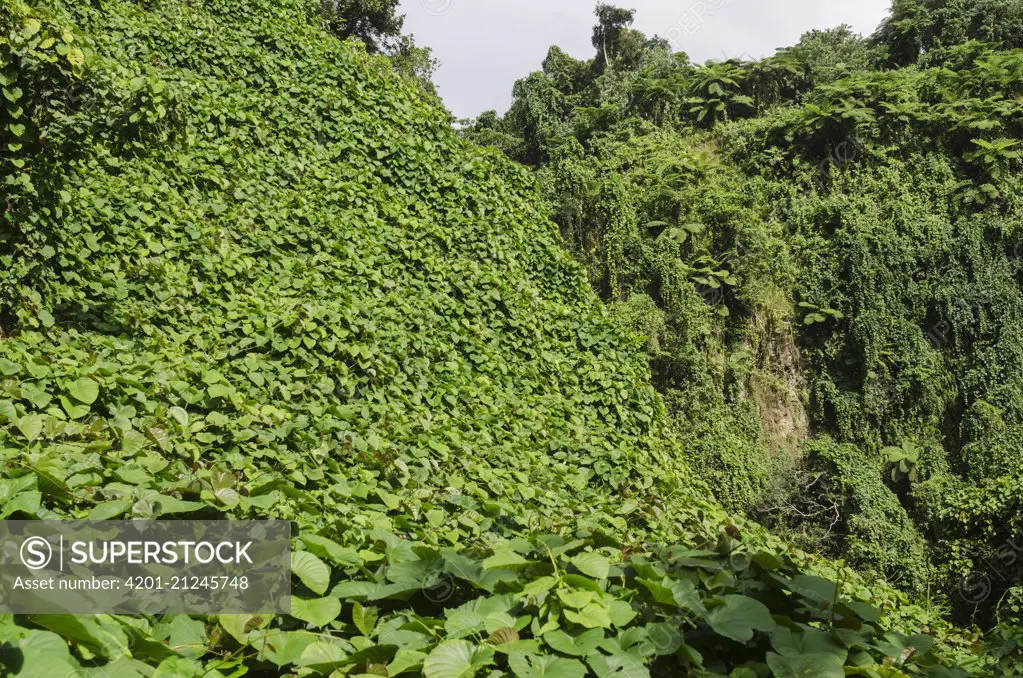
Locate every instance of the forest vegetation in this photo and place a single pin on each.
(822, 251)
(671, 369)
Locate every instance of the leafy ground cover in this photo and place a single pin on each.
(822, 248)
(248, 271)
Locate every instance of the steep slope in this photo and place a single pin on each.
(249, 272)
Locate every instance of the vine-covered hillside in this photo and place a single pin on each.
(247, 271)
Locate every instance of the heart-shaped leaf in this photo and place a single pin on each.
(739, 616)
(456, 659)
(84, 390)
(311, 571)
(315, 611)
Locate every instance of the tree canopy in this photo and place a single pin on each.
(821, 248)
(376, 23)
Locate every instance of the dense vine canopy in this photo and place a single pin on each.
(249, 271)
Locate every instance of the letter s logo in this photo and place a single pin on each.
(36, 553)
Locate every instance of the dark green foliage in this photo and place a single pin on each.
(917, 28)
(377, 25)
(824, 255)
(375, 22)
(876, 530)
(824, 56)
(249, 272)
(611, 32)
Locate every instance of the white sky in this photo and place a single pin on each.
(486, 45)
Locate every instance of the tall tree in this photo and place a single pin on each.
(612, 22)
(375, 22)
(415, 62)
(570, 75)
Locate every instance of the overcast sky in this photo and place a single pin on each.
(486, 45)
